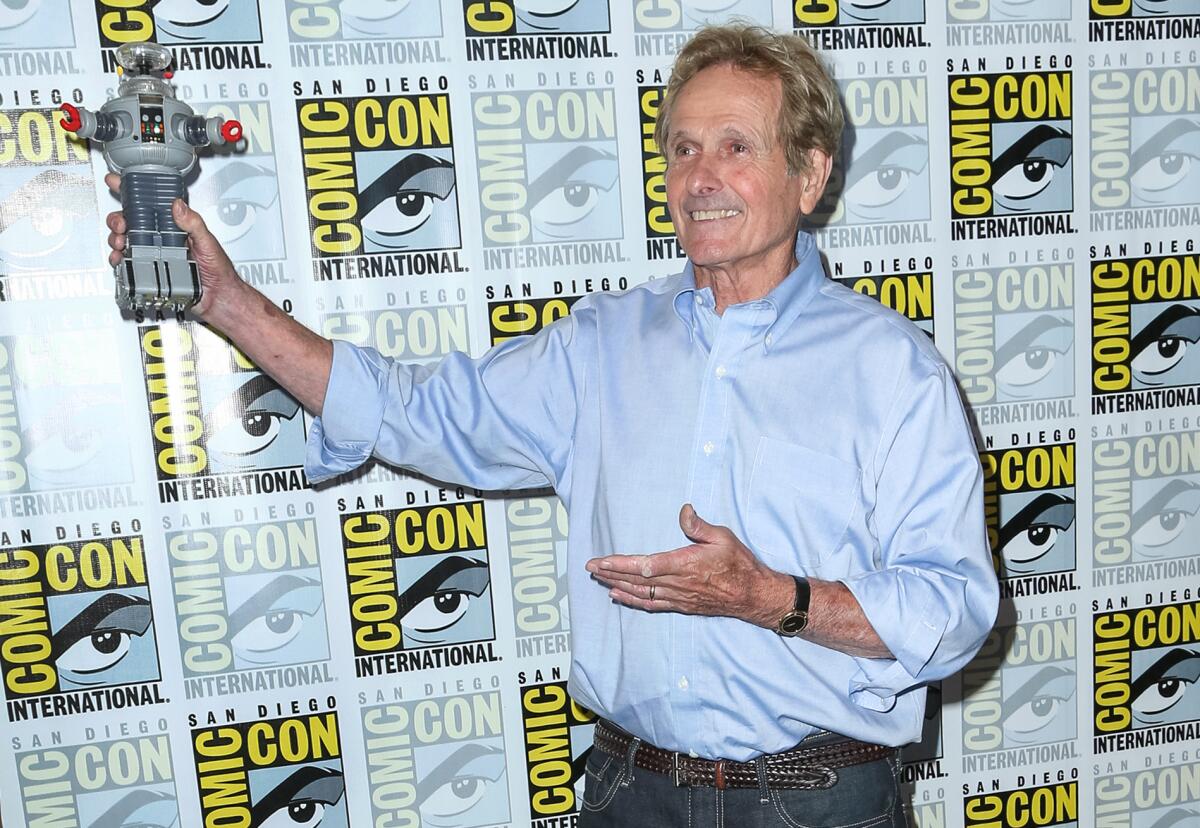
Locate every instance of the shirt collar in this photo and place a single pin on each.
(783, 304)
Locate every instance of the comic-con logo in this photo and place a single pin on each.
(558, 739)
(536, 29)
(437, 762)
(1029, 505)
(878, 191)
(1039, 805)
(1004, 11)
(248, 597)
(381, 185)
(103, 783)
(1126, 20)
(860, 24)
(238, 193)
(419, 587)
(219, 427)
(537, 551)
(661, 241)
(1145, 326)
(548, 165)
(49, 222)
(1167, 795)
(1014, 335)
(1145, 662)
(1145, 147)
(1019, 693)
(1010, 152)
(270, 772)
(661, 27)
(524, 317)
(1145, 496)
(76, 616)
(225, 34)
(909, 294)
(63, 421)
(364, 32)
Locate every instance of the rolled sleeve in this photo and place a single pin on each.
(344, 436)
(934, 599)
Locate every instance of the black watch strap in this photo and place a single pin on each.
(794, 621)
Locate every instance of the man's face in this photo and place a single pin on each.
(732, 201)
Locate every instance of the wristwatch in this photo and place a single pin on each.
(796, 619)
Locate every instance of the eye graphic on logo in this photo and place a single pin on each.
(382, 18)
(248, 421)
(1038, 702)
(140, 808)
(15, 12)
(542, 14)
(42, 216)
(235, 196)
(882, 174)
(1166, 166)
(1177, 818)
(441, 597)
(1030, 9)
(274, 617)
(1165, 518)
(1164, 685)
(562, 197)
(466, 788)
(1033, 361)
(188, 19)
(1162, 350)
(1032, 532)
(99, 637)
(1025, 170)
(1153, 8)
(300, 801)
(401, 201)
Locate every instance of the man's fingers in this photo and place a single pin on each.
(640, 600)
(115, 222)
(189, 220)
(697, 528)
(114, 182)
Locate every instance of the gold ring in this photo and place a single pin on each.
(652, 592)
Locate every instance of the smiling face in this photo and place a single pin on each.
(735, 208)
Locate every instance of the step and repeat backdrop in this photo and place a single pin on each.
(191, 634)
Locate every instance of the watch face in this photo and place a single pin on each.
(793, 623)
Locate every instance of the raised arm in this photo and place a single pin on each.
(295, 357)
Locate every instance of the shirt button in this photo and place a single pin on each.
(768, 339)
(699, 300)
(709, 448)
(720, 371)
(683, 683)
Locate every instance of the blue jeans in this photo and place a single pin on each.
(616, 793)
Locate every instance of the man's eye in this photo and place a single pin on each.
(1161, 355)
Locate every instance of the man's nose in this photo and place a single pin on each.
(704, 177)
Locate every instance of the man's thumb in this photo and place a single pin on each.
(695, 527)
(188, 219)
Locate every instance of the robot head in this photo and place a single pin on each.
(145, 69)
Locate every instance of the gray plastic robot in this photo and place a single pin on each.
(150, 138)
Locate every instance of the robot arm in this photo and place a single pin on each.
(103, 126)
(200, 131)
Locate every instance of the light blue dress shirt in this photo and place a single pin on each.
(825, 430)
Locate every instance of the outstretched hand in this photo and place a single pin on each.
(716, 574)
(217, 274)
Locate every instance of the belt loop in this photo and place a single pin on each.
(719, 779)
(761, 766)
(675, 770)
(630, 757)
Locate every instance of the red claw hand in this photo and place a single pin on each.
(71, 123)
(231, 131)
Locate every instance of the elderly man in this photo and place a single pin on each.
(755, 655)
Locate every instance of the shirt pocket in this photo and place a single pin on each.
(801, 502)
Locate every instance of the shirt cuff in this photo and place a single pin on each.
(890, 600)
(343, 437)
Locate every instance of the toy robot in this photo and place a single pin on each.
(149, 137)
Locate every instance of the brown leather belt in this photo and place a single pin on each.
(811, 768)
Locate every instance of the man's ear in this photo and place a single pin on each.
(819, 167)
